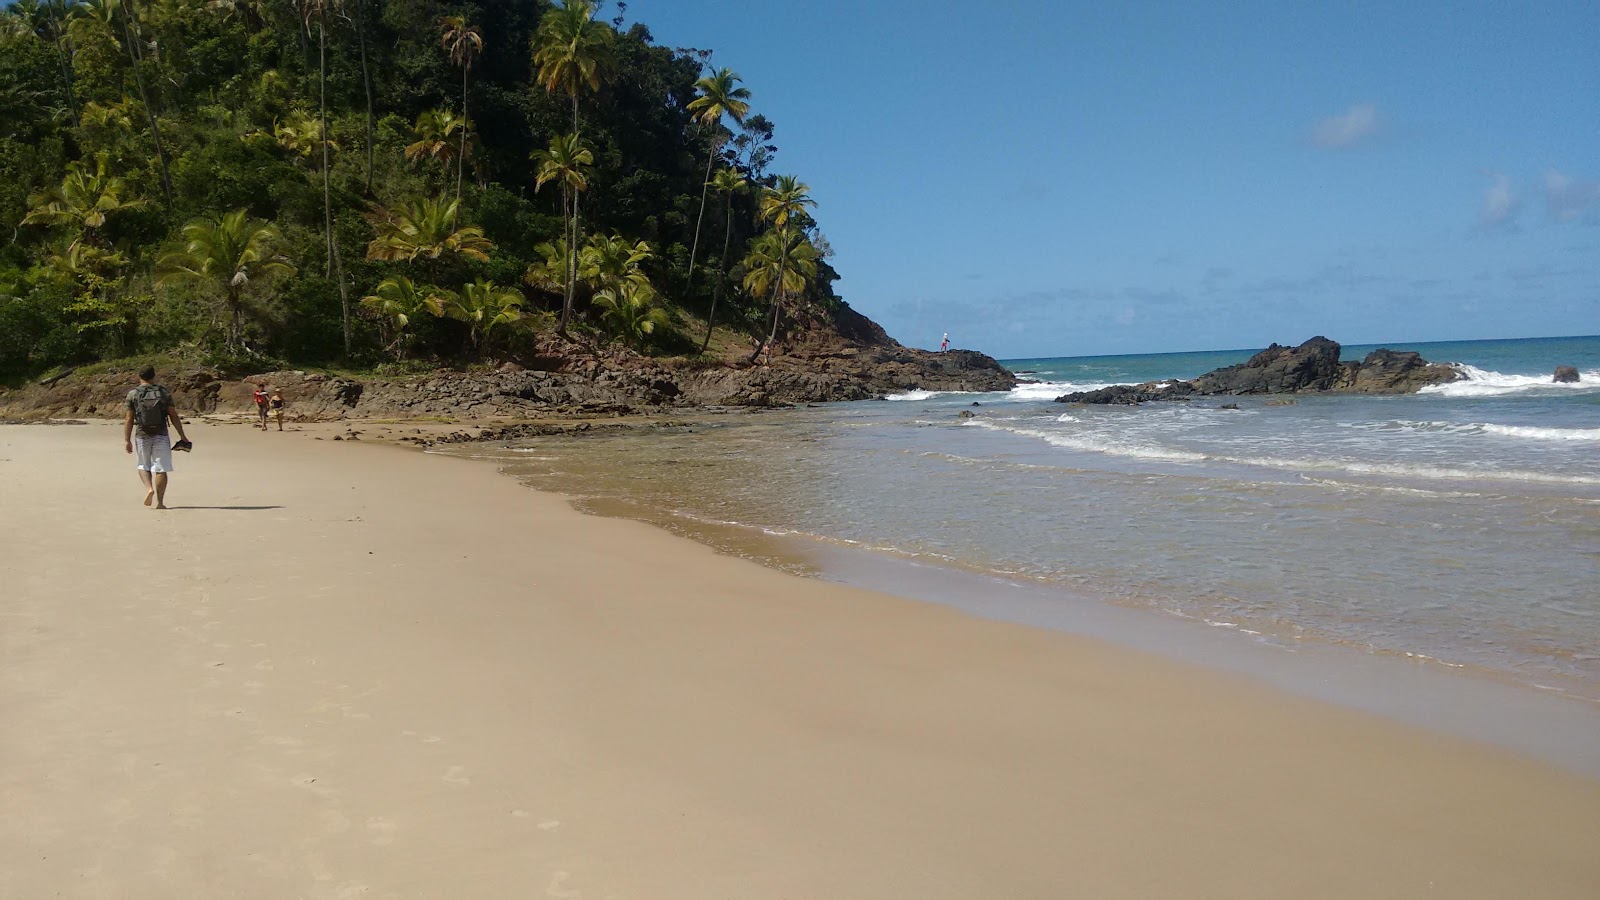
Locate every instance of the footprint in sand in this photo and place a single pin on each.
(457, 776)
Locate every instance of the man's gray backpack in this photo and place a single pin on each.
(150, 403)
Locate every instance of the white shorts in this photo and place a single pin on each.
(153, 451)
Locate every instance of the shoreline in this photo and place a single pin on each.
(1555, 725)
(348, 664)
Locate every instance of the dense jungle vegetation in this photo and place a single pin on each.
(386, 183)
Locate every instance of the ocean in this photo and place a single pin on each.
(1457, 528)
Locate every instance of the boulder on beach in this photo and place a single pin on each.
(1566, 375)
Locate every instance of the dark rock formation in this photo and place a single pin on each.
(1132, 394)
(1312, 367)
(1566, 375)
(574, 384)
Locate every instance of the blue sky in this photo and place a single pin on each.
(1042, 178)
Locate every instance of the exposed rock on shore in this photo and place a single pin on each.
(1313, 367)
(820, 367)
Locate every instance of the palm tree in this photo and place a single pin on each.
(483, 305)
(302, 137)
(568, 161)
(630, 309)
(785, 200)
(231, 250)
(781, 262)
(610, 262)
(83, 201)
(424, 229)
(549, 274)
(434, 130)
(727, 182)
(396, 301)
(465, 44)
(573, 51)
(318, 9)
(720, 95)
(135, 46)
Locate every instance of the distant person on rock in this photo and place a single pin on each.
(277, 406)
(261, 398)
(144, 434)
(945, 344)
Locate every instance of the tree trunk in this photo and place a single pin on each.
(335, 266)
(322, 125)
(694, 249)
(566, 264)
(461, 158)
(722, 273)
(129, 23)
(344, 295)
(64, 53)
(366, 83)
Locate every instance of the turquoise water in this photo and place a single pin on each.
(1459, 526)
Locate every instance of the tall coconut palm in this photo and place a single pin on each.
(83, 201)
(726, 182)
(424, 228)
(786, 201)
(233, 251)
(434, 132)
(465, 44)
(135, 45)
(483, 305)
(573, 51)
(318, 10)
(567, 161)
(781, 263)
(720, 95)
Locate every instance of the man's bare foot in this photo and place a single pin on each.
(161, 506)
(149, 495)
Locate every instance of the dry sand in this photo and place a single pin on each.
(346, 670)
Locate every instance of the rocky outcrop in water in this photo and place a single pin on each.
(1566, 375)
(1312, 367)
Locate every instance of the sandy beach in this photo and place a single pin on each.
(355, 670)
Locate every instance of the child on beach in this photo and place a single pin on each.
(261, 398)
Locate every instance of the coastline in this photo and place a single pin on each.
(373, 670)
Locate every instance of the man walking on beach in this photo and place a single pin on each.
(144, 434)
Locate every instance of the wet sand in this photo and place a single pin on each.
(339, 669)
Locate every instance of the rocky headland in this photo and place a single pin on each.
(848, 358)
(1313, 367)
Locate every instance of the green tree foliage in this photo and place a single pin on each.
(140, 139)
(231, 252)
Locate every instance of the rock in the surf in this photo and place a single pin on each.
(1566, 375)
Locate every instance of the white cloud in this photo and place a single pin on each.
(1569, 198)
(1500, 202)
(1355, 125)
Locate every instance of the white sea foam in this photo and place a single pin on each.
(1544, 434)
(1531, 432)
(1485, 383)
(1093, 443)
(913, 395)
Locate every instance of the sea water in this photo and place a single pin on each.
(1457, 527)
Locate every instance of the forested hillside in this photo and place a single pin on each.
(392, 183)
